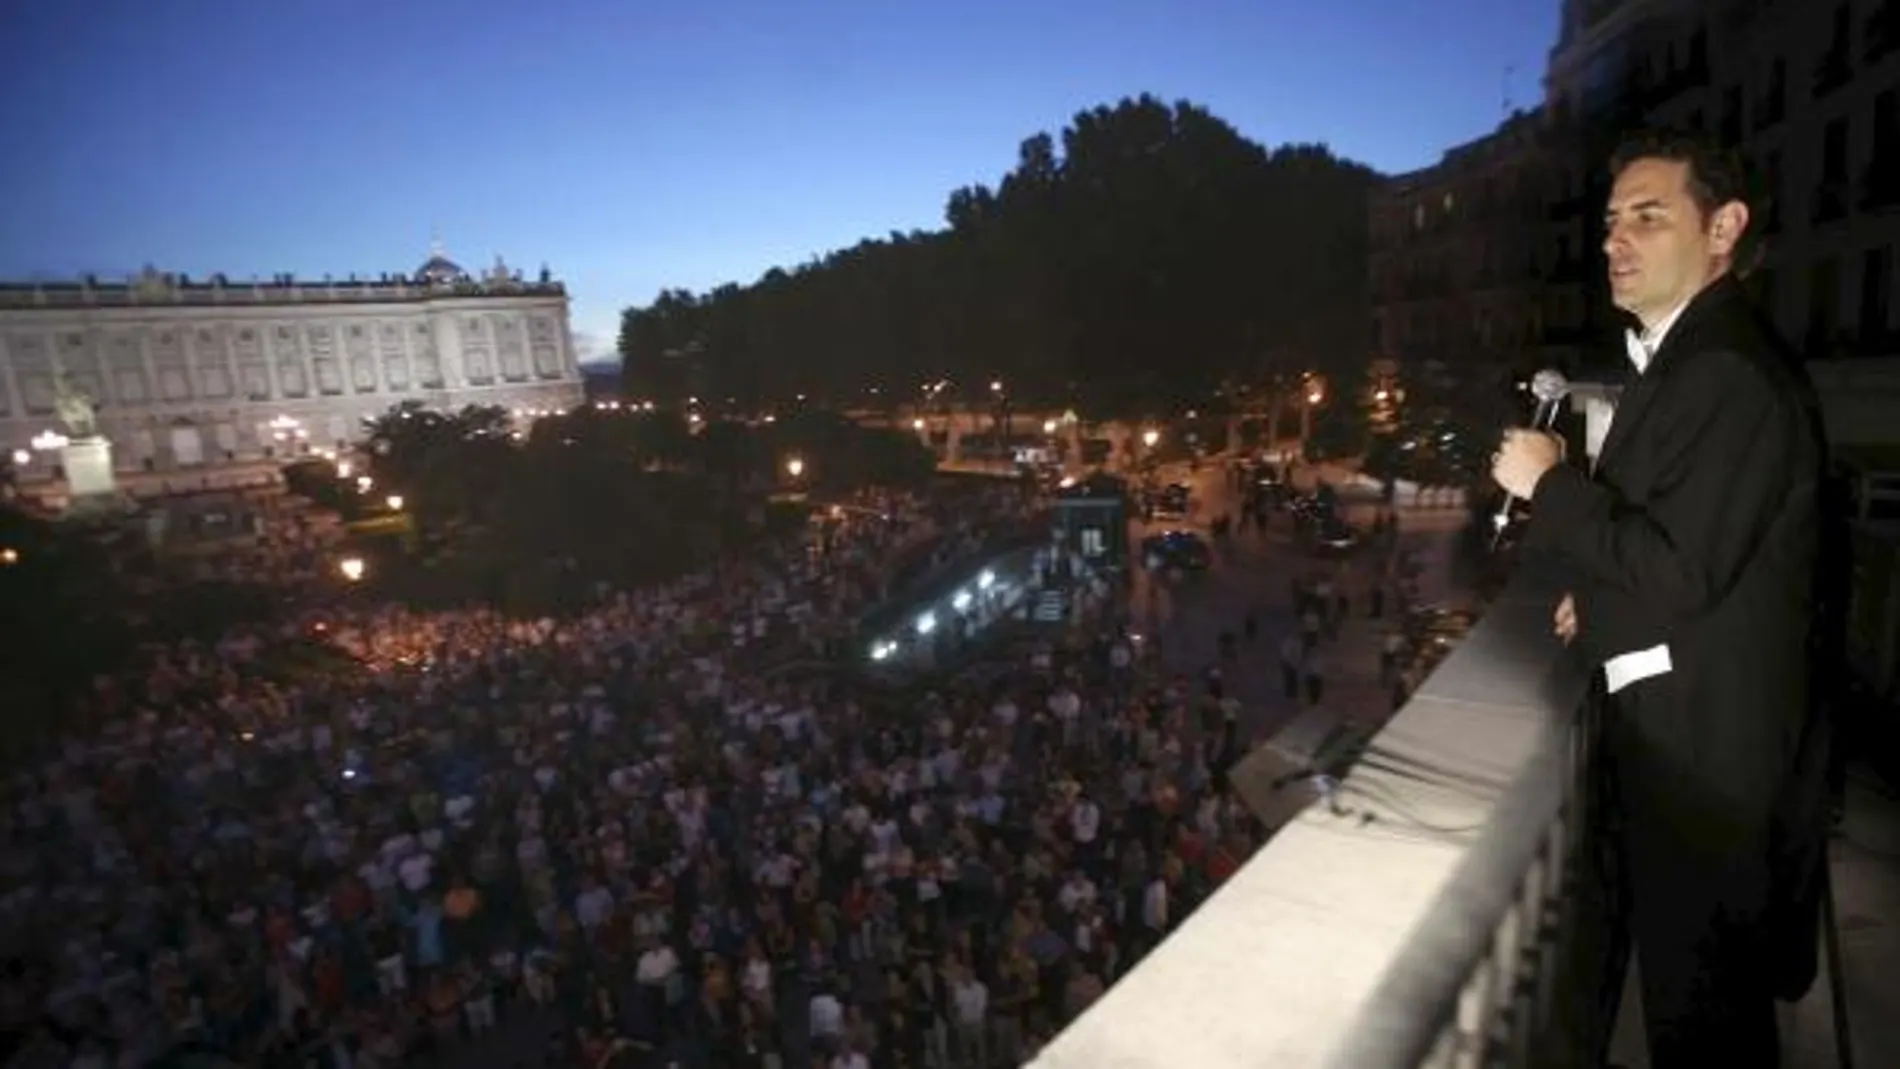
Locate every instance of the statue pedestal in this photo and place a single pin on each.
(88, 464)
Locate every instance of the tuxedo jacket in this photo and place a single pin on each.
(1697, 530)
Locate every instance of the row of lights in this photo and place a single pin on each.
(926, 622)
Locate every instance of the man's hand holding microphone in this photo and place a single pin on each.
(1522, 459)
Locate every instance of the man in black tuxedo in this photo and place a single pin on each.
(1692, 547)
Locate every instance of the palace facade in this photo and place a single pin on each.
(186, 373)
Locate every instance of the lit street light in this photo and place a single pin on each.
(394, 501)
(351, 567)
(1048, 426)
(795, 467)
(21, 458)
(9, 556)
(1149, 437)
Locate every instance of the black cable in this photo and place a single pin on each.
(1402, 809)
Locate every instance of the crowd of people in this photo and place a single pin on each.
(620, 838)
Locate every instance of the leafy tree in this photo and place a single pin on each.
(445, 465)
(1128, 264)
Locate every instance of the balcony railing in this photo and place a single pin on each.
(1882, 31)
(1770, 107)
(1880, 182)
(1831, 201)
(1441, 905)
(1833, 70)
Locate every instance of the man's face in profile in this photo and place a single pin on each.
(1662, 249)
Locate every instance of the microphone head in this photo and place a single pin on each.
(1550, 385)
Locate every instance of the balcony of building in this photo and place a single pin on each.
(1834, 69)
(1880, 182)
(1771, 104)
(1880, 35)
(1832, 199)
(1436, 900)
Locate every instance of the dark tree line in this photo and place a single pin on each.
(619, 496)
(1140, 260)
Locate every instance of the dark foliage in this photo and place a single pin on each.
(1156, 254)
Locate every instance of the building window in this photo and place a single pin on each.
(1823, 298)
(1771, 190)
(1834, 152)
(1765, 292)
(1772, 106)
(1876, 293)
(1831, 196)
(1835, 69)
(1731, 131)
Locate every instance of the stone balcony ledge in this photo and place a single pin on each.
(1348, 938)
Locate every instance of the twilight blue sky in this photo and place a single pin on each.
(640, 144)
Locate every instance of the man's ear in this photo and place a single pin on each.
(1726, 227)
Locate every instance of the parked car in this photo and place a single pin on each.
(1308, 509)
(1185, 550)
(1331, 535)
(1269, 488)
(1173, 500)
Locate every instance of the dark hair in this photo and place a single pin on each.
(1717, 175)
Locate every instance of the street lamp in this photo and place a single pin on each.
(1049, 426)
(1315, 393)
(795, 467)
(21, 458)
(394, 501)
(917, 424)
(351, 567)
(1149, 437)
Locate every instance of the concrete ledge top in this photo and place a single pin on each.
(1278, 967)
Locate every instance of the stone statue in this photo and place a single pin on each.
(75, 407)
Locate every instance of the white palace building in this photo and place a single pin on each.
(188, 373)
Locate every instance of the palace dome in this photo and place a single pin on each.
(439, 270)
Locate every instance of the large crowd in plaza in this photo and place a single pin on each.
(614, 838)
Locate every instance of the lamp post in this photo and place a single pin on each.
(795, 467)
(351, 567)
(1315, 396)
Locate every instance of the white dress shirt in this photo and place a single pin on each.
(1637, 665)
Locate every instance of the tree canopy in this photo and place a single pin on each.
(1154, 256)
(618, 495)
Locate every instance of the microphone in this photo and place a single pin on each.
(1550, 388)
